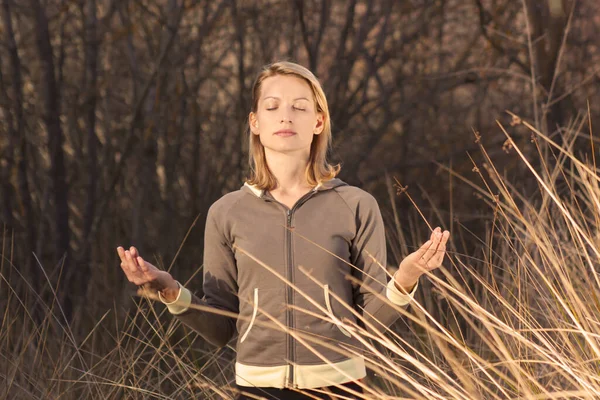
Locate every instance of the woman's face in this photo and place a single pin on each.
(286, 118)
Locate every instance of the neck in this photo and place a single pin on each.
(289, 169)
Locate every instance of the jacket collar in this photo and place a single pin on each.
(322, 186)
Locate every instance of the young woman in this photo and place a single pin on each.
(281, 254)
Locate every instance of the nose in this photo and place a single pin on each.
(285, 117)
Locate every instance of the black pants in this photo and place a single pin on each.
(291, 394)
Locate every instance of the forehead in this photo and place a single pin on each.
(286, 86)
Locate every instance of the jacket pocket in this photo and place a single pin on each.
(254, 311)
(337, 322)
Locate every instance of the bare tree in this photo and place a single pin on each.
(18, 139)
(144, 105)
(548, 21)
(51, 117)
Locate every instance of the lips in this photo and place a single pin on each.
(285, 132)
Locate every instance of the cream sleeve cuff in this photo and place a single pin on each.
(181, 303)
(396, 296)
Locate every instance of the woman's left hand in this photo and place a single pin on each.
(427, 258)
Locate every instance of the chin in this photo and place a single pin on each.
(287, 149)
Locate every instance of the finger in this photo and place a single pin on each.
(445, 237)
(426, 259)
(434, 235)
(423, 249)
(133, 277)
(439, 238)
(431, 251)
(121, 253)
(434, 232)
(134, 256)
(131, 263)
(125, 269)
(441, 249)
(143, 265)
(126, 264)
(437, 259)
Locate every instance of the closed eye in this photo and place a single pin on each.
(295, 108)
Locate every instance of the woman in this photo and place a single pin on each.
(281, 252)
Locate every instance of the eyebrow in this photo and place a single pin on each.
(277, 98)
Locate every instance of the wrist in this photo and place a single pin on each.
(405, 283)
(171, 293)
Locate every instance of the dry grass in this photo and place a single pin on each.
(515, 316)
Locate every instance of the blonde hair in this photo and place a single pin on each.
(318, 169)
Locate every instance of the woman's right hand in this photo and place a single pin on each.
(141, 273)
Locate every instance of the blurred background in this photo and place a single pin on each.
(122, 121)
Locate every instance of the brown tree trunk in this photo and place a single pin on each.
(51, 116)
(312, 41)
(91, 39)
(7, 161)
(548, 21)
(18, 133)
(91, 65)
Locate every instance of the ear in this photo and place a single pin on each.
(253, 122)
(320, 124)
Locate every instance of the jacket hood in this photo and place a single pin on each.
(322, 186)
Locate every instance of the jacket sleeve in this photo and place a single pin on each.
(368, 255)
(219, 286)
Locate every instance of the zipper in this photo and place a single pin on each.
(289, 295)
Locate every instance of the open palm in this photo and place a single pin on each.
(428, 257)
(142, 273)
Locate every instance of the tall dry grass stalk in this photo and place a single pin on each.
(514, 315)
